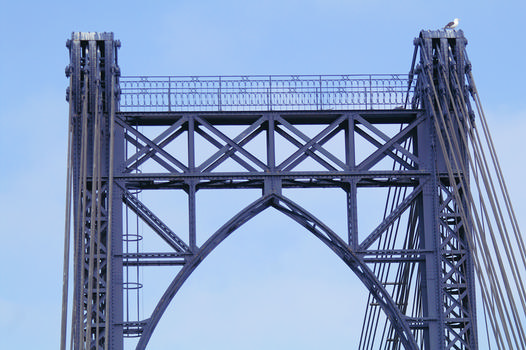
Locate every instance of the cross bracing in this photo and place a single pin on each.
(412, 136)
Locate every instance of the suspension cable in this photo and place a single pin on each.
(504, 233)
(94, 217)
(109, 254)
(78, 319)
(492, 195)
(474, 216)
(488, 263)
(67, 228)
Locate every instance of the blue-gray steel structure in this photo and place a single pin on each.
(428, 297)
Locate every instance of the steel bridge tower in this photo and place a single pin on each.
(416, 263)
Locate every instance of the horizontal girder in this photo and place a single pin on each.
(393, 116)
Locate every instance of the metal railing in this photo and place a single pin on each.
(263, 93)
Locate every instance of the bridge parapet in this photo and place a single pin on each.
(264, 92)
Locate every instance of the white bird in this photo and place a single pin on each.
(452, 25)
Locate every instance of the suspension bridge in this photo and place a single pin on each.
(448, 230)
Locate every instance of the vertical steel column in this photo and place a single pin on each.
(191, 184)
(272, 183)
(431, 291)
(441, 62)
(97, 152)
(351, 191)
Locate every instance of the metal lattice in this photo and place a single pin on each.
(417, 262)
(263, 93)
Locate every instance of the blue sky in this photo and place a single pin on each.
(217, 38)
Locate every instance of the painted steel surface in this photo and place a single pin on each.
(122, 131)
(264, 93)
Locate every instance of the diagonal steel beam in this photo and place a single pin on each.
(308, 152)
(311, 153)
(211, 164)
(390, 153)
(395, 214)
(151, 155)
(226, 151)
(232, 144)
(382, 151)
(449, 199)
(166, 135)
(155, 223)
(312, 142)
(231, 153)
(151, 144)
(386, 138)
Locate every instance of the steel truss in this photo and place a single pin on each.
(416, 263)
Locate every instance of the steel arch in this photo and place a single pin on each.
(312, 224)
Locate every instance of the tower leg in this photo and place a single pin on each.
(97, 152)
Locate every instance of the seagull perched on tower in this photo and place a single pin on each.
(452, 25)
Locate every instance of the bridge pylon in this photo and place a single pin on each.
(416, 263)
